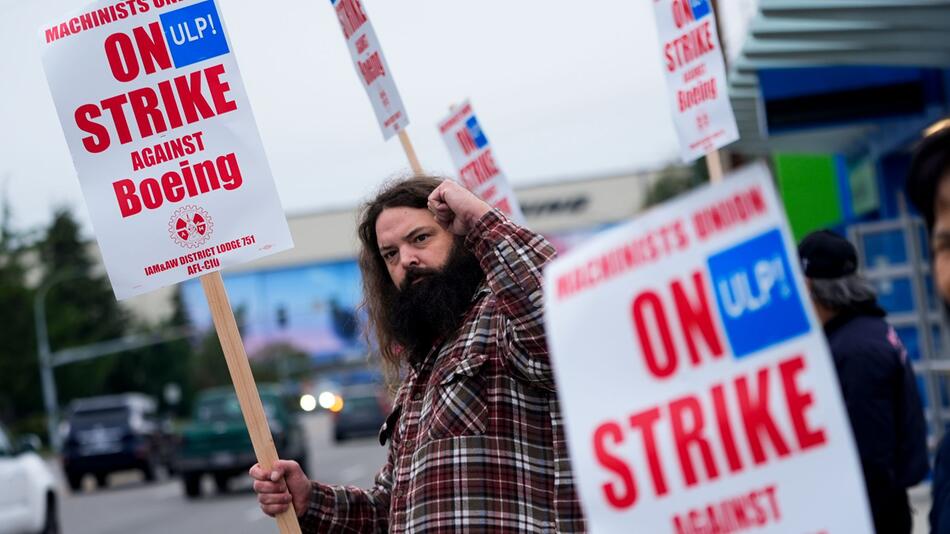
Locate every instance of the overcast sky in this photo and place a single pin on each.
(562, 89)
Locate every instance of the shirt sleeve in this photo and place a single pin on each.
(346, 509)
(512, 258)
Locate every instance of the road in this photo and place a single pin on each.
(130, 505)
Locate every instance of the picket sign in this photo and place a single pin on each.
(478, 170)
(169, 159)
(374, 75)
(697, 387)
(696, 76)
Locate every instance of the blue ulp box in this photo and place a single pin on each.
(194, 33)
(757, 296)
(476, 132)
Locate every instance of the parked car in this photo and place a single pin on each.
(113, 433)
(29, 501)
(364, 411)
(217, 442)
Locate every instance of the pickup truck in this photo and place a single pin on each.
(216, 441)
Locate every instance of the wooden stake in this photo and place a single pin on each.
(244, 385)
(714, 166)
(410, 152)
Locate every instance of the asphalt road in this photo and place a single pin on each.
(130, 505)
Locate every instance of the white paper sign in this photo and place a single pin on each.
(163, 139)
(696, 383)
(696, 76)
(371, 66)
(478, 169)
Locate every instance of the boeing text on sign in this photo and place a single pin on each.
(695, 75)
(371, 66)
(165, 145)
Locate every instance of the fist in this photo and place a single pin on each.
(280, 487)
(456, 208)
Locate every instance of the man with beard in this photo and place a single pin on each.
(476, 442)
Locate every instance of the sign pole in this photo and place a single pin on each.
(410, 153)
(714, 166)
(244, 385)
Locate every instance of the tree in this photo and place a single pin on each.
(150, 369)
(80, 306)
(19, 371)
(675, 180)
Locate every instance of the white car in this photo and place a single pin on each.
(28, 490)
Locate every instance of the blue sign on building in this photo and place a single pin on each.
(758, 300)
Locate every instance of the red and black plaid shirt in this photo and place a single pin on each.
(479, 441)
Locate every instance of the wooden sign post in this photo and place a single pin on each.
(410, 152)
(714, 166)
(244, 385)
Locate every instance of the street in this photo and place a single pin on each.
(130, 505)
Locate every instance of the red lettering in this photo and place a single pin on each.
(624, 495)
(351, 15)
(120, 53)
(649, 302)
(465, 141)
(129, 203)
(144, 104)
(798, 402)
(114, 105)
(725, 428)
(688, 434)
(99, 140)
(152, 49)
(757, 417)
(218, 89)
(696, 317)
(193, 102)
(645, 422)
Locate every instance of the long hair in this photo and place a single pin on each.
(841, 294)
(378, 287)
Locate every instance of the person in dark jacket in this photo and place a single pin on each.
(876, 378)
(928, 188)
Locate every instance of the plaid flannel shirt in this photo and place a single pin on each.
(478, 442)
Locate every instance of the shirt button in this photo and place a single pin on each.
(416, 396)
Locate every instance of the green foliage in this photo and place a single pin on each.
(674, 181)
(19, 371)
(80, 307)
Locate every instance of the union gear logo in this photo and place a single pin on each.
(190, 226)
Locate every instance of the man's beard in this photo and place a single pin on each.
(425, 311)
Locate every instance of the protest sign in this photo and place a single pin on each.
(163, 139)
(697, 387)
(696, 76)
(169, 159)
(478, 170)
(371, 66)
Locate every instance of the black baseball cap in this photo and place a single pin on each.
(825, 254)
(930, 163)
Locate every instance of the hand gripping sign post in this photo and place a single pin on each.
(696, 76)
(374, 74)
(696, 384)
(169, 159)
(472, 155)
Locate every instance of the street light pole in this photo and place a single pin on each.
(46, 367)
(47, 379)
